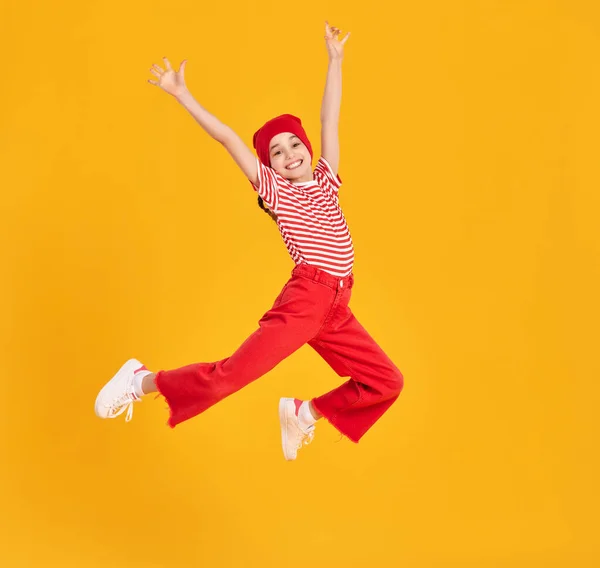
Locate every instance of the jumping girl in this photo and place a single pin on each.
(313, 306)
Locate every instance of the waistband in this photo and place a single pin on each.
(318, 275)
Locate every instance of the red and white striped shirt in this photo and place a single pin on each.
(309, 217)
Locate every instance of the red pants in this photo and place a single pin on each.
(312, 308)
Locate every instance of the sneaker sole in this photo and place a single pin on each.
(128, 367)
(283, 420)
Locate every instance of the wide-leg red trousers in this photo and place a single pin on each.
(312, 308)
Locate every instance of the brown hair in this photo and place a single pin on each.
(270, 213)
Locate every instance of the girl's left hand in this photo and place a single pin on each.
(335, 47)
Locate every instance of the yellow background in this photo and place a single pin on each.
(471, 185)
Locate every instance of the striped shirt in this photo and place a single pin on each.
(309, 218)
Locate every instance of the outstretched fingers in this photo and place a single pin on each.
(331, 32)
(167, 78)
(157, 72)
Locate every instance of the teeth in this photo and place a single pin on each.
(294, 165)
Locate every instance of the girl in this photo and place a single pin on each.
(312, 307)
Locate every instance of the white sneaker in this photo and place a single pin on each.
(293, 436)
(118, 395)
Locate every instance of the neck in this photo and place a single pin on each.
(303, 179)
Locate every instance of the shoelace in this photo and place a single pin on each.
(306, 437)
(122, 404)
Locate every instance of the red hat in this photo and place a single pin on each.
(283, 123)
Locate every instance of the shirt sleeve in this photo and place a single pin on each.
(267, 187)
(325, 175)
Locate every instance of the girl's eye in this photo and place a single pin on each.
(296, 144)
(278, 152)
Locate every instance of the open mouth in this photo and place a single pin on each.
(294, 165)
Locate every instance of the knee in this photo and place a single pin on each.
(396, 383)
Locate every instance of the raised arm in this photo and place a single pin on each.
(332, 98)
(173, 83)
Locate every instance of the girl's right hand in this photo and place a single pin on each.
(168, 80)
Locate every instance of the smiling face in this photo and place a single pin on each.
(290, 157)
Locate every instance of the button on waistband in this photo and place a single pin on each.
(341, 283)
